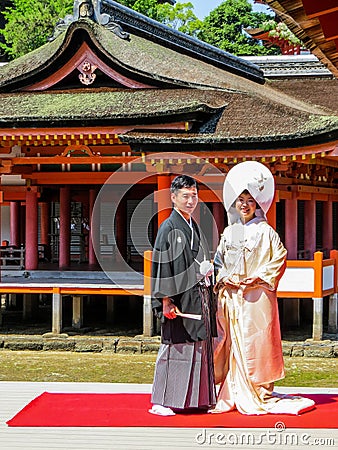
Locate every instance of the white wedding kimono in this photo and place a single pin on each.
(248, 354)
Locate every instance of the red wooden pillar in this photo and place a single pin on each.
(271, 215)
(310, 226)
(218, 214)
(327, 225)
(44, 223)
(164, 205)
(14, 209)
(31, 253)
(65, 231)
(44, 230)
(22, 219)
(94, 235)
(291, 226)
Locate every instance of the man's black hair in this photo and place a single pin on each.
(182, 181)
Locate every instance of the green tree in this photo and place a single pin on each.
(29, 23)
(146, 7)
(180, 17)
(224, 28)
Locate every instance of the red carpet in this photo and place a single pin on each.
(131, 410)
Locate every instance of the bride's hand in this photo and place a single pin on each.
(250, 281)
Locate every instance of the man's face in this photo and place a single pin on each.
(185, 200)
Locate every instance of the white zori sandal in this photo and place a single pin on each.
(160, 410)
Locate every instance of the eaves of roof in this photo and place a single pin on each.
(232, 117)
(309, 28)
(318, 130)
(91, 106)
(166, 142)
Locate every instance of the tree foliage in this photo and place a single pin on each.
(147, 7)
(225, 28)
(29, 23)
(181, 17)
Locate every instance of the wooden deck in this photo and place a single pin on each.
(76, 284)
(13, 396)
(315, 279)
(72, 282)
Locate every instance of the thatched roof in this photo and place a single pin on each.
(318, 92)
(107, 106)
(224, 99)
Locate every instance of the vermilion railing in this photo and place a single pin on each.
(314, 279)
(302, 278)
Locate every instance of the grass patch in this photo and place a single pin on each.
(76, 367)
(315, 372)
(107, 367)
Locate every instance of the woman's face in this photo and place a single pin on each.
(246, 207)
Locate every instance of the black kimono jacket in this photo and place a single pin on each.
(175, 274)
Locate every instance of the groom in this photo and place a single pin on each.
(182, 298)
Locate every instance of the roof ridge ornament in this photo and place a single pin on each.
(89, 9)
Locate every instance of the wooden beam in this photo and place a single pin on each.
(57, 178)
(79, 290)
(329, 23)
(314, 190)
(289, 188)
(73, 160)
(294, 16)
(102, 149)
(79, 135)
(317, 8)
(257, 153)
(53, 133)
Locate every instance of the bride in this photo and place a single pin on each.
(250, 260)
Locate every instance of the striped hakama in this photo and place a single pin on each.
(184, 374)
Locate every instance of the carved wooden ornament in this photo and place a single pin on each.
(87, 75)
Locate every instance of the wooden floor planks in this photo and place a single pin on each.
(14, 396)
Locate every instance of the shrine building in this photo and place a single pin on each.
(96, 123)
